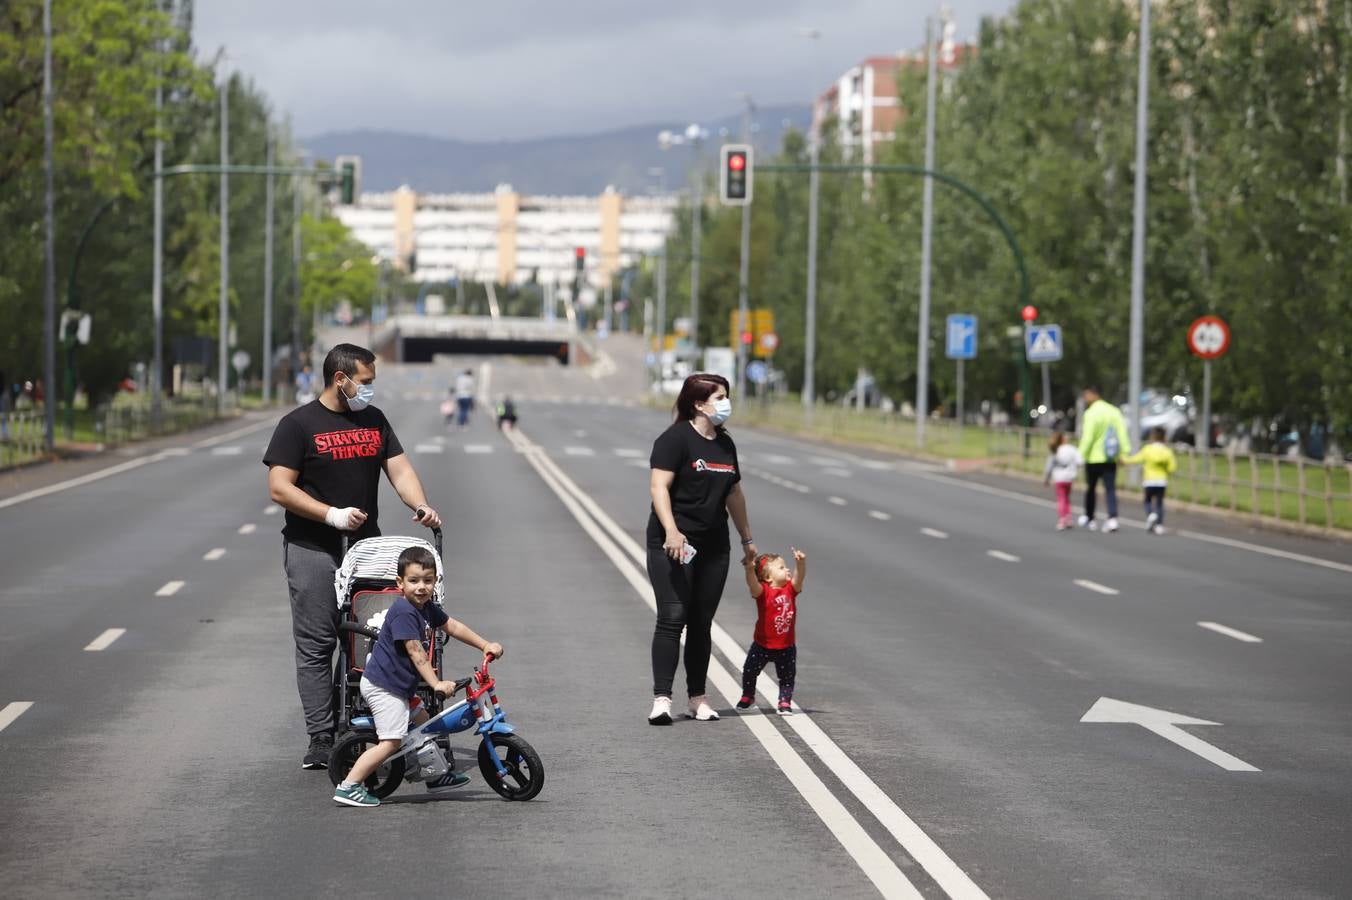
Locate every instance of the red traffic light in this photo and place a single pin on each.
(580, 252)
(1029, 313)
(737, 161)
(746, 337)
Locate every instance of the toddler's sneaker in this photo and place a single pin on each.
(785, 708)
(661, 713)
(745, 703)
(1093, 525)
(1084, 521)
(1062, 526)
(1111, 525)
(700, 710)
(451, 779)
(1150, 521)
(354, 796)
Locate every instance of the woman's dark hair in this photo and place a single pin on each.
(697, 388)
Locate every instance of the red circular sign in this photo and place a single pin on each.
(769, 341)
(1209, 337)
(1029, 313)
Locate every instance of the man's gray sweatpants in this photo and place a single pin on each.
(314, 623)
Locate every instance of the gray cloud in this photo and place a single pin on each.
(527, 68)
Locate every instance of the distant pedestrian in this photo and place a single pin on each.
(1103, 440)
(464, 397)
(775, 590)
(1159, 462)
(506, 414)
(1063, 465)
(695, 486)
(305, 386)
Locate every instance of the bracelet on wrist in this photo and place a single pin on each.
(748, 542)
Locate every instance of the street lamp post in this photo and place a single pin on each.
(1134, 352)
(744, 266)
(224, 304)
(157, 265)
(926, 246)
(49, 263)
(267, 282)
(813, 190)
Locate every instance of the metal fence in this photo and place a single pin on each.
(22, 433)
(1292, 489)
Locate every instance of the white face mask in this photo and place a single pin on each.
(365, 394)
(722, 410)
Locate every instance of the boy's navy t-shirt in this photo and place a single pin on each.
(389, 666)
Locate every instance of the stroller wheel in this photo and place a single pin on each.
(352, 745)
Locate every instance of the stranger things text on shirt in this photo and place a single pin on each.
(353, 443)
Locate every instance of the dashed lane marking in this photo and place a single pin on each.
(170, 589)
(579, 451)
(1002, 555)
(478, 448)
(1231, 632)
(248, 528)
(429, 448)
(271, 510)
(880, 515)
(234, 450)
(836, 471)
(214, 553)
(837, 501)
(628, 453)
(934, 533)
(104, 640)
(1096, 587)
(12, 711)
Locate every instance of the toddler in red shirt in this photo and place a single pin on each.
(775, 590)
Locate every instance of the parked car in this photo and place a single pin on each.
(1172, 412)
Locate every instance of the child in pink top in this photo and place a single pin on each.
(775, 590)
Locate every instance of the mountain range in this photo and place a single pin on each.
(563, 165)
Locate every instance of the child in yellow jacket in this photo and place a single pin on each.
(1159, 462)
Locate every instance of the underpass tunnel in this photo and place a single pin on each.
(422, 349)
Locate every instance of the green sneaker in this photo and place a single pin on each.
(356, 795)
(450, 780)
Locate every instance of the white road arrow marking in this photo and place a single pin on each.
(1165, 724)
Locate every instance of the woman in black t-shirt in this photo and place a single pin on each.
(695, 485)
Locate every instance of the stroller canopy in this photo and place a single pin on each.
(377, 558)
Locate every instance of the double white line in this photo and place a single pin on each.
(630, 560)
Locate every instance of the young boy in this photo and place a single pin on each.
(775, 590)
(398, 659)
(1159, 463)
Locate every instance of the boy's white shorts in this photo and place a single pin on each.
(389, 710)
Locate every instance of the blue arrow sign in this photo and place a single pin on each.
(1042, 343)
(757, 372)
(961, 337)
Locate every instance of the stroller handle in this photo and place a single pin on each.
(355, 628)
(436, 533)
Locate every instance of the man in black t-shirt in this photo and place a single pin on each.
(324, 465)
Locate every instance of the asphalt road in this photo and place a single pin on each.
(950, 644)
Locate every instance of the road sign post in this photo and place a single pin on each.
(960, 345)
(1208, 339)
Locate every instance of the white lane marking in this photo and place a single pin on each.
(579, 451)
(1193, 535)
(12, 711)
(271, 510)
(248, 528)
(1232, 632)
(837, 472)
(776, 459)
(1002, 555)
(238, 432)
(429, 448)
(907, 833)
(837, 501)
(123, 467)
(170, 589)
(478, 448)
(1096, 587)
(579, 433)
(102, 641)
(638, 463)
(214, 553)
(879, 515)
(233, 450)
(1165, 724)
(629, 453)
(934, 533)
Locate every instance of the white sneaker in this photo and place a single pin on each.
(700, 710)
(1150, 521)
(1159, 529)
(1111, 525)
(661, 714)
(1093, 525)
(1084, 521)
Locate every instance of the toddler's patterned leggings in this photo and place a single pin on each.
(786, 667)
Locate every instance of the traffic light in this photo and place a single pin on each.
(746, 338)
(580, 258)
(734, 182)
(347, 187)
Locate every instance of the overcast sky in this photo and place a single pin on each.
(531, 68)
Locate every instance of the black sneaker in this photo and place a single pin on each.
(317, 757)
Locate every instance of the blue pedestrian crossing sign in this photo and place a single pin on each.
(1042, 343)
(961, 337)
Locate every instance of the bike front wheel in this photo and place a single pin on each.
(525, 773)
(383, 782)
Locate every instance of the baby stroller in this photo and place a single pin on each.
(365, 589)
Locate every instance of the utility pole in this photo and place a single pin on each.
(744, 269)
(697, 212)
(223, 312)
(1134, 353)
(267, 283)
(295, 277)
(157, 265)
(49, 264)
(926, 244)
(810, 341)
